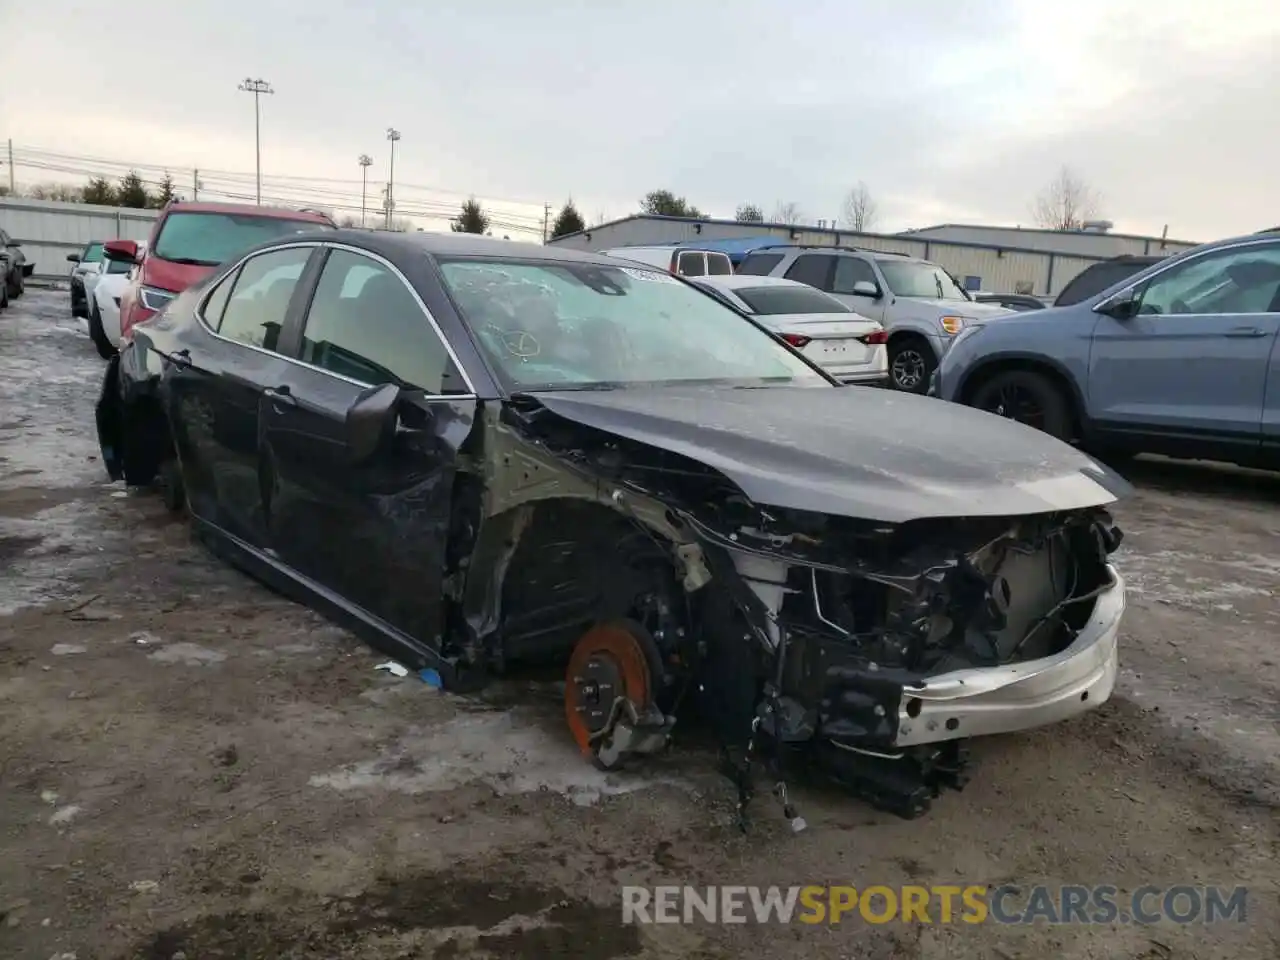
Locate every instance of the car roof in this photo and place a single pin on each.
(471, 245)
(748, 281)
(280, 213)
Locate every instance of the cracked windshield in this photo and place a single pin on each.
(566, 325)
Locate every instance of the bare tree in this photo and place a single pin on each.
(860, 208)
(1065, 203)
(56, 191)
(788, 213)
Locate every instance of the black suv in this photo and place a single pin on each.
(1101, 275)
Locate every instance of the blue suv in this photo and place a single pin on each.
(1179, 359)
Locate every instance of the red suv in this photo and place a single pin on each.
(188, 241)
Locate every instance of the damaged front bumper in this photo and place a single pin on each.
(1019, 696)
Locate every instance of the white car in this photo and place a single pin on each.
(847, 345)
(104, 305)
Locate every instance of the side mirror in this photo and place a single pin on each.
(124, 250)
(73, 258)
(865, 288)
(1123, 306)
(371, 421)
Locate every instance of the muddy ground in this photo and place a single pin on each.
(192, 767)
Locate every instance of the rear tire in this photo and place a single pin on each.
(105, 350)
(1027, 397)
(911, 363)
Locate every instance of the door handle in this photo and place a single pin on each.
(181, 358)
(1245, 332)
(282, 396)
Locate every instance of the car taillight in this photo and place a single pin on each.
(875, 336)
(797, 340)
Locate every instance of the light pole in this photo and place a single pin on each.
(365, 162)
(393, 135)
(257, 88)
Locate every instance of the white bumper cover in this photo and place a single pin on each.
(985, 700)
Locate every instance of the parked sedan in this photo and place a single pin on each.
(482, 454)
(104, 304)
(847, 345)
(87, 267)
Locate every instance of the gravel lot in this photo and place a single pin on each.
(192, 766)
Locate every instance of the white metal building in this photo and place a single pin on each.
(997, 259)
(1095, 240)
(50, 229)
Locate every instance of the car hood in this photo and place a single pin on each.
(853, 451)
(961, 308)
(112, 284)
(168, 275)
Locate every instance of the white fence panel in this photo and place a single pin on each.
(50, 229)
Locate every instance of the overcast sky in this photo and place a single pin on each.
(949, 112)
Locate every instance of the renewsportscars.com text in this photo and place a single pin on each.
(973, 904)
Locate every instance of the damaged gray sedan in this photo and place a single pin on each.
(482, 455)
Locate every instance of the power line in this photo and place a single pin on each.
(212, 180)
(127, 165)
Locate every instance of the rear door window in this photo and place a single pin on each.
(216, 302)
(719, 265)
(255, 312)
(691, 265)
(813, 269)
(851, 270)
(759, 264)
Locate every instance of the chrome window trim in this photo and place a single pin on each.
(1166, 267)
(199, 313)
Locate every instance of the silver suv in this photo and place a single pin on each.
(917, 302)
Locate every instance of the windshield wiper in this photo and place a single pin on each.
(189, 261)
(573, 387)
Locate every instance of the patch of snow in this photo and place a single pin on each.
(508, 751)
(67, 649)
(64, 815)
(189, 654)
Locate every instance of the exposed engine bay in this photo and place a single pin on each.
(802, 639)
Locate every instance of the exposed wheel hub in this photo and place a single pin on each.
(609, 694)
(599, 684)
